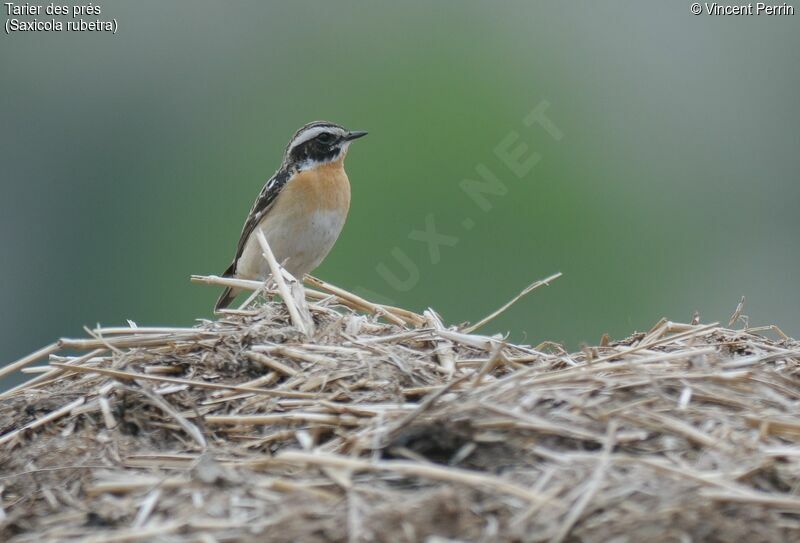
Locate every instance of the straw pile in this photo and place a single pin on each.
(324, 417)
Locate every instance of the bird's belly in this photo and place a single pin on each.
(300, 242)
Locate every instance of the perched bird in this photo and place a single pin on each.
(301, 210)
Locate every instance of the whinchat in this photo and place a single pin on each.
(302, 208)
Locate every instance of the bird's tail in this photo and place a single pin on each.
(229, 294)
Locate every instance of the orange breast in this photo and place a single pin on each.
(325, 187)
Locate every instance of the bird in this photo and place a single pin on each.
(301, 210)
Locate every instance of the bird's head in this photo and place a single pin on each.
(318, 143)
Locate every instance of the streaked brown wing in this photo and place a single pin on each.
(260, 208)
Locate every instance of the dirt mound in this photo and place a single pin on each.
(333, 419)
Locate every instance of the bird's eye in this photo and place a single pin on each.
(326, 138)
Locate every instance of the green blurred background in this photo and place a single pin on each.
(129, 161)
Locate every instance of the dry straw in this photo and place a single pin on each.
(326, 417)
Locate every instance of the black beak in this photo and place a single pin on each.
(355, 134)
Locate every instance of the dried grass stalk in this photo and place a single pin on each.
(326, 417)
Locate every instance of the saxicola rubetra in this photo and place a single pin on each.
(301, 209)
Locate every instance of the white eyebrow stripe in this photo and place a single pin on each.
(312, 133)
